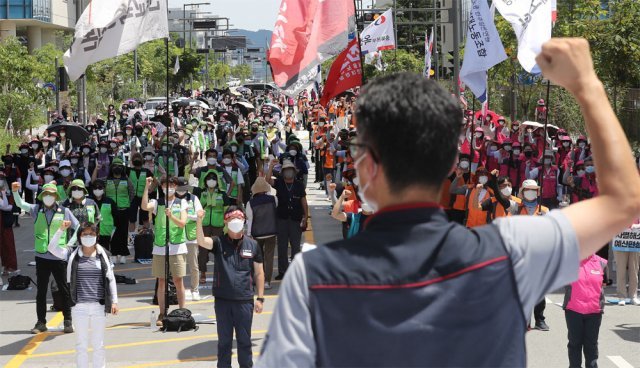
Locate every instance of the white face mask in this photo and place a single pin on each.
(516, 152)
(48, 200)
(478, 135)
(77, 194)
(86, 151)
(234, 149)
(506, 191)
(74, 161)
(507, 148)
(483, 180)
(148, 157)
(363, 190)
(464, 165)
(88, 240)
(566, 144)
(530, 195)
(62, 135)
(212, 161)
(65, 172)
(581, 172)
(34, 146)
(98, 192)
(547, 161)
(235, 226)
(226, 161)
(103, 149)
(211, 183)
(170, 191)
(48, 178)
(581, 144)
(113, 145)
(293, 152)
(24, 151)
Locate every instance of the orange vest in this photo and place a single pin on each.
(499, 210)
(475, 216)
(328, 158)
(541, 210)
(461, 200)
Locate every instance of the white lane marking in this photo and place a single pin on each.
(619, 361)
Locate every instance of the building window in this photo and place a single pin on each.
(26, 9)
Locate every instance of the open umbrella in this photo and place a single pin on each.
(535, 125)
(188, 102)
(231, 116)
(76, 133)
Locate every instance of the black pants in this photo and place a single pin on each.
(538, 310)
(288, 232)
(44, 269)
(120, 239)
(583, 332)
(105, 241)
(456, 216)
(232, 316)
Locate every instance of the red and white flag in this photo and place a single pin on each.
(306, 33)
(345, 73)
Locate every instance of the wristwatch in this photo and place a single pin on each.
(261, 300)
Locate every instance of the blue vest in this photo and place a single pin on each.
(233, 268)
(413, 289)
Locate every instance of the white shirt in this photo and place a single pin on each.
(174, 249)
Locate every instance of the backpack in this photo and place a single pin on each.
(20, 282)
(173, 295)
(179, 320)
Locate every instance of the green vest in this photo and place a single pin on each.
(91, 214)
(106, 224)
(213, 204)
(120, 195)
(138, 183)
(176, 234)
(190, 228)
(44, 231)
(262, 147)
(172, 165)
(203, 175)
(62, 193)
(234, 176)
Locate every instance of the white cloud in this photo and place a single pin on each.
(251, 15)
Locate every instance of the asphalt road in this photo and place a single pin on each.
(131, 343)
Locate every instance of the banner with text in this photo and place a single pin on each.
(379, 35)
(627, 241)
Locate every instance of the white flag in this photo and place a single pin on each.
(482, 51)
(379, 34)
(111, 28)
(428, 50)
(176, 67)
(531, 21)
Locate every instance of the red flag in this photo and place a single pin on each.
(345, 73)
(306, 33)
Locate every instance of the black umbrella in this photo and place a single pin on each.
(77, 134)
(231, 116)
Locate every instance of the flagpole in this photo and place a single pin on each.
(166, 195)
(544, 136)
(355, 8)
(472, 150)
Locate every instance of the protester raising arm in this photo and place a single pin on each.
(203, 241)
(568, 63)
(336, 212)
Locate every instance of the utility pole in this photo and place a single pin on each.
(80, 84)
(455, 8)
(57, 86)
(135, 66)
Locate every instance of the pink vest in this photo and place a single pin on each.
(586, 295)
(549, 182)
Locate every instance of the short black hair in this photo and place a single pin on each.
(233, 208)
(412, 125)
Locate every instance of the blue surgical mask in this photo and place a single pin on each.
(590, 169)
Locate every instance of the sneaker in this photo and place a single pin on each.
(267, 286)
(68, 327)
(123, 259)
(195, 295)
(622, 303)
(635, 301)
(39, 327)
(280, 276)
(542, 326)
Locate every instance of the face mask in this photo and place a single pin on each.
(86, 151)
(103, 150)
(77, 194)
(74, 161)
(530, 195)
(165, 148)
(128, 132)
(212, 161)
(483, 180)
(366, 207)
(478, 135)
(293, 152)
(234, 149)
(113, 145)
(506, 191)
(148, 157)
(211, 183)
(235, 225)
(590, 169)
(321, 123)
(493, 148)
(464, 165)
(98, 192)
(65, 172)
(565, 144)
(547, 161)
(516, 152)
(528, 154)
(88, 240)
(170, 191)
(62, 135)
(48, 200)
(288, 174)
(45, 144)
(362, 191)
(507, 148)
(24, 151)
(34, 146)
(581, 144)
(48, 178)
(581, 172)
(226, 161)
(146, 130)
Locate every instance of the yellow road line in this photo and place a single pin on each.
(116, 269)
(178, 361)
(309, 235)
(138, 293)
(188, 303)
(34, 343)
(139, 343)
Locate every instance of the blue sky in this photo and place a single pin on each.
(244, 14)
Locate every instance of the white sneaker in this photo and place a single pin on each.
(195, 295)
(621, 303)
(113, 260)
(123, 259)
(635, 301)
(267, 285)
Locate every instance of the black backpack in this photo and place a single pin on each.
(173, 295)
(179, 320)
(20, 282)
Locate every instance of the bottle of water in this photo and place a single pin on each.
(152, 321)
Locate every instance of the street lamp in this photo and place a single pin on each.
(184, 16)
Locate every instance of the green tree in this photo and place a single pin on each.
(242, 71)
